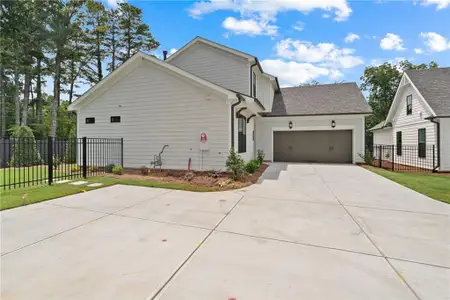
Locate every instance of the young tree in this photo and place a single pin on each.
(134, 34)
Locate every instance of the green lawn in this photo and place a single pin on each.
(14, 198)
(433, 185)
(20, 176)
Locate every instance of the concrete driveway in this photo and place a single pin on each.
(305, 232)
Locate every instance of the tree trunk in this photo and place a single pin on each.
(3, 102)
(56, 94)
(99, 59)
(17, 98)
(26, 99)
(39, 92)
(113, 43)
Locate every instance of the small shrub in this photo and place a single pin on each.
(70, 155)
(189, 176)
(235, 164)
(75, 169)
(367, 157)
(56, 162)
(92, 168)
(260, 156)
(109, 168)
(24, 151)
(118, 170)
(144, 170)
(252, 166)
(215, 174)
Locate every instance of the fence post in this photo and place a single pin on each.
(121, 152)
(380, 155)
(50, 160)
(393, 156)
(84, 150)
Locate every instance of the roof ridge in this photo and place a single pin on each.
(317, 85)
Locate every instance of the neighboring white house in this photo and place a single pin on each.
(207, 98)
(419, 120)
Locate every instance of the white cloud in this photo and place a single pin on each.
(440, 4)
(293, 73)
(250, 26)
(394, 61)
(114, 3)
(326, 16)
(299, 26)
(351, 37)
(325, 54)
(418, 50)
(172, 51)
(435, 42)
(340, 8)
(392, 42)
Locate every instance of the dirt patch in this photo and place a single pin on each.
(218, 181)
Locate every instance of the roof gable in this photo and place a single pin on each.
(130, 65)
(434, 86)
(214, 45)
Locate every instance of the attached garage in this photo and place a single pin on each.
(317, 146)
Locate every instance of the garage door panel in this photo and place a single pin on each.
(313, 146)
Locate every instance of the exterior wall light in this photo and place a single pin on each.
(290, 125)
(333, 124)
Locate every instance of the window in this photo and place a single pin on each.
(90, 120)
(399, 143)
(422, 140)
(254, 85)
(409, 104)
(115, 119)
(242, 138)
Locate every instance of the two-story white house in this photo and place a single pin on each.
(418, 123)
(207, 98)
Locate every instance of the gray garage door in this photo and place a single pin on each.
(313, 146)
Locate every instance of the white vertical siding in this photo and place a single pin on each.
(156, 108)
(266, 126)
(382, 137)
(409, 125)
(445, 144)
(215, 65)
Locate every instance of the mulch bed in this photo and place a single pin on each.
(200, 178)
(388, 167)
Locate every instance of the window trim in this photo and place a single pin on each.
(242, 134)
(89, 122)
(399, 136)
(409, 105)
(111, 119)
(422, 146)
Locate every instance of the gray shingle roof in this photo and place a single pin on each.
(327, 99)
(434, 85)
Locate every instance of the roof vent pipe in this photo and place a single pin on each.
(165, 54)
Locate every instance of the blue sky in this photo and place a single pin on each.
(304, 40)
(316, 48)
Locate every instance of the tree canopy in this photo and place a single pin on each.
(69, 43)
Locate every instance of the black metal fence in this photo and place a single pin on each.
(407, 158)
(26, 161)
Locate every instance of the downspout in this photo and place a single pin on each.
(438, 129)
(239, 97)
(251, 76)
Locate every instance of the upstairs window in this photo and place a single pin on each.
(409, 104)
(242, 135)
(90, 120)
(115, 119)
(254, 85)
(422, 140)
(399, 143)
